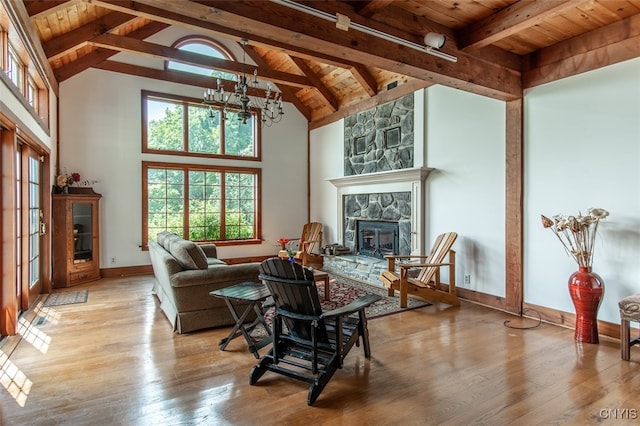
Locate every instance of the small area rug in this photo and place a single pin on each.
(66, 298)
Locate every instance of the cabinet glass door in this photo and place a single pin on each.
(82, 216)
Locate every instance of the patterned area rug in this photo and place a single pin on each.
(344, 291)
(66, 298)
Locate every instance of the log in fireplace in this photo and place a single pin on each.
(377, 238)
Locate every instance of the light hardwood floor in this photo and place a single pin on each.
(115, 361)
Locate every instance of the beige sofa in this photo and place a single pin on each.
(185, 273)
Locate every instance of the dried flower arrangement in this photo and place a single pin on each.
(577, 233)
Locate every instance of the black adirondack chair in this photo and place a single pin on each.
(308, 344)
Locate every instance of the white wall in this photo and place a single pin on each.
(327, 154)
(100, 137)
(465, 144)
(582, 150)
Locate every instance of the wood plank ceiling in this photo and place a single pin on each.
(503, 46)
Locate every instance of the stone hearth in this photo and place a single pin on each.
(361, 268)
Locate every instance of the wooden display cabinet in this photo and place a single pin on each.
(76, 238)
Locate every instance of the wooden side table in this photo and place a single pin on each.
(324, 277)
(254, 294)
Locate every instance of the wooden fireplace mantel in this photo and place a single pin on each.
(391, 176)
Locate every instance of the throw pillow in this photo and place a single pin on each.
(170, 239)
(161, 238)
(188, 254)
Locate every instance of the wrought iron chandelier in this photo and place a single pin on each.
(270, 106)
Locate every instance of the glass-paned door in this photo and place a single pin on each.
(35, 218)
(29, 226)
(18, 282)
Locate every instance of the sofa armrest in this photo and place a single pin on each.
(210, 250)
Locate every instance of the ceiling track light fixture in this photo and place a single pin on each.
(433, 41)
(270, 106)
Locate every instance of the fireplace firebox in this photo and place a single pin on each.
(377, 238)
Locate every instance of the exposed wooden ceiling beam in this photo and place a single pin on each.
(364, 77)
(394, 21)
(509, 21)
(379, 99)
(159, 51)
(303, 30)
(325, 93)
(169, 75)
(257, 20)
(100, 55)
(36, 8)
(288, 93)
(605, 46)
(399, 18)
(59, 46)
(370, 8)
(469, 73)
(149, 11)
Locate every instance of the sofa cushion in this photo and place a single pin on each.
(188, 254)
(211, 261)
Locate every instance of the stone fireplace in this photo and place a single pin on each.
(381, 195)
(379, 210)
(390, 196)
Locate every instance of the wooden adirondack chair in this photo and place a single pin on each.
(426, 284)
(308, 344)
(309, 245)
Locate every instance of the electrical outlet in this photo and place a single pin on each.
(467, 279)
(113, 260)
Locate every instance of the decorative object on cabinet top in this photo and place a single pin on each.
(66, 183)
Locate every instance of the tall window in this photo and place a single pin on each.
(175, 125)
(201, 203)
(3, 43)
(197, 201)
(32, 93)
(14, 68)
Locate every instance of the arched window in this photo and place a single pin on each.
(206, 47)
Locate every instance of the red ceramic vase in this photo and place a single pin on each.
(586, 289)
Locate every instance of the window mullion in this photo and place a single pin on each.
(223, 206)
(185, 127)
(223, 130)
(185, 204)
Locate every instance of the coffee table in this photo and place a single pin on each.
(254, 294)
